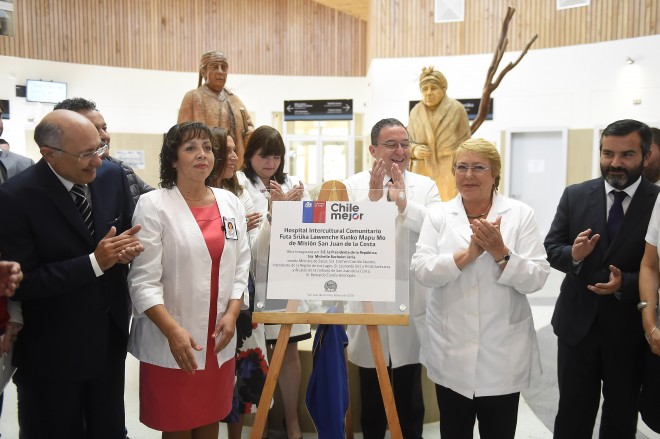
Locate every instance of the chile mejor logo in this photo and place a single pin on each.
(313, 212)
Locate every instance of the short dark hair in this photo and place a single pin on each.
(269, 141)
(626, 126)
(655, 132)
(76, 104)
(3, 142)
(175, 137)
(375, 131)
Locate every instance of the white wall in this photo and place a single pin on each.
(583, 86)
(147, 101)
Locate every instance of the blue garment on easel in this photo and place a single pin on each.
(327, 391)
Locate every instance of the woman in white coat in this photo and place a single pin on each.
(251, 361)
(481, 253)
(264, 179)
(187, 289)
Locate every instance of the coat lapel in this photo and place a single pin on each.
(597, 210)
(62, 199)
(459, 221)
(633, 216)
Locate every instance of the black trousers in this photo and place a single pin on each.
(497, 415)
(407, 387)
(91, 409)
(599, 358)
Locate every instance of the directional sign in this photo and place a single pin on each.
(338, 109)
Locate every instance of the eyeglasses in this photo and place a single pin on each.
(405, 144)
(463, 169)
(85, 156)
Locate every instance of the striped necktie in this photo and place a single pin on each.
(83, 206)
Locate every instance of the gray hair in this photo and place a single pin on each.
(48, 134)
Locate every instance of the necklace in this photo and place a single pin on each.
(196, 199)
(476, 216)
(479, 215)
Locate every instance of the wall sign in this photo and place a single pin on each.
(338, 109)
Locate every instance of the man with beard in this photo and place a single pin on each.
(652, 168)
(597, 239)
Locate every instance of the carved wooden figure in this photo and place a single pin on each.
(216, 106)
(438, 124)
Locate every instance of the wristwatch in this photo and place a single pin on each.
(643, 304)
(505, 259)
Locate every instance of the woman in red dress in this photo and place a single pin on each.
(187, 289)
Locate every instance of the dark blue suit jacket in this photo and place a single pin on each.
(67, 310)
(583, 206)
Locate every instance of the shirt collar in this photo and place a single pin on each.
(630, 190)
(387, 178)
(67, 184)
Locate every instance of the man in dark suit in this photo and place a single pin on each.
(12, 164)
(597, 239)
(67, 221)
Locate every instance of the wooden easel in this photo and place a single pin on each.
(330, 191)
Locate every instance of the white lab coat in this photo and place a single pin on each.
(401, 344)
(480, 337)
(261, 247)
(175, 270)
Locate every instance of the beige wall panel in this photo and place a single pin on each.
(301, 37)
(269, 37)
(150, 144)
(393, 22)
(580, 155)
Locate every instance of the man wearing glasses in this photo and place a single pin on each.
(67, 221)
(413, 194)
(88, 109)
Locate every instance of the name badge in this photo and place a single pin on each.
(229, 226)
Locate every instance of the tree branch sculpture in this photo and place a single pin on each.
(489, 85)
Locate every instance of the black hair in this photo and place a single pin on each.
(656, 135)
(76, 104)
(269, 141)
(375, 131)
(627, 126)
(175, 137)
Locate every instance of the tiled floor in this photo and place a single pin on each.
(534, 416)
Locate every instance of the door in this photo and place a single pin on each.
(318, 151)
(536, 171)
(302, 156)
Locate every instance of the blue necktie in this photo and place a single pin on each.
(615, 218)
(83, 206)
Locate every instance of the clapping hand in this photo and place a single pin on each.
(10, 277)
(113, 248)
(488, 236)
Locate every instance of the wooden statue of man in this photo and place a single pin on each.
(216, 106)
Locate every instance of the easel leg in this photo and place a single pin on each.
(383, 379)
(271, 381)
